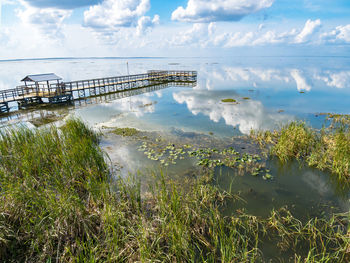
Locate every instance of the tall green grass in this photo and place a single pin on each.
(294, 140)
(59, 203)
(332, 152)
(328, 149)
(49, 179)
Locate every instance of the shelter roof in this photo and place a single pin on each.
(41, 77)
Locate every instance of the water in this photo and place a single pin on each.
(269, 91)
(307, 192)
(273, 86)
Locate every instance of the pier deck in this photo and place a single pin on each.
(67, 91)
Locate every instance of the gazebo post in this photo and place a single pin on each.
(48, 87)
(37, 86)
(25, 87)
(58, 90)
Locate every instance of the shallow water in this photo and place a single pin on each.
(268, 92)
(307, 192)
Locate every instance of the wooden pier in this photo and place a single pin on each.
(48, 88)
(37, 115)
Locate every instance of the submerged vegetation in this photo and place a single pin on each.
(328, 149)
(61, 203)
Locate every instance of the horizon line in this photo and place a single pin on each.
(165, 57)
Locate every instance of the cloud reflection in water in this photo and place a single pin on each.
(247, 114)
(303, 79)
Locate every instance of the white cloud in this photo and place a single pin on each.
(111, 14)
(197, 35)
(114, 21)
(262, 37)
(272, 37)
(145, 22)
(4, 36)
(216, 35)
(199, 11)
(61, 4)
(343, 33)
(8, 2)
(308, 31)
(240, 39)
(220, 40)
(339, 34)
(48, 20)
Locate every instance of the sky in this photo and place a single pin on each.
(185, 28)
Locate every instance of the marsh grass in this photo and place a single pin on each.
(328, 149)
(48, 178)
(332, 152)
(295, 140)
(59, 203)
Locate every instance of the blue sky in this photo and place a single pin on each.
(60, 28)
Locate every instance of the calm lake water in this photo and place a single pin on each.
(269, 91)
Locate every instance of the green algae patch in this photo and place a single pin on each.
(228, 100)
(125, 131)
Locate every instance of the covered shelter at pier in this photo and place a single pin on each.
(42, 82)
(40, 78)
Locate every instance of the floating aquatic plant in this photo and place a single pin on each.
(207, 157)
